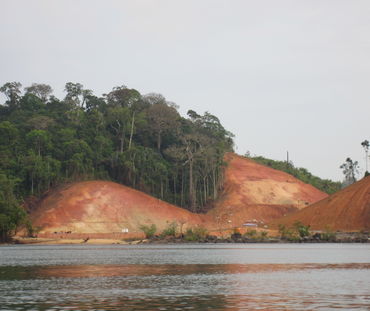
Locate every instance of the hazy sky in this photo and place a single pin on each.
(281, 75)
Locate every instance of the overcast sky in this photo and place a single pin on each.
(281, 75)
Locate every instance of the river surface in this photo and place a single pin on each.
(185, 277)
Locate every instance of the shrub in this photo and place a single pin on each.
(149, 231)
(195, 234)
(251, 234)
(32, 231)
(287, 234)
(263, 235)
(328, 235)
(301, 229)
(170, 230)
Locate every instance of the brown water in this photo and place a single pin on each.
(186, 277)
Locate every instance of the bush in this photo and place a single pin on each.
(149, 231)
(328, 236)
(251, 234)
(263, 235)
(301, 229)
(287, 234)
(170, 230)
(32, 231)
(195, 234)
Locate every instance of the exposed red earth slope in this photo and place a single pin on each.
(347, 210)
(106, 207)
(257, 193)
(251, 192)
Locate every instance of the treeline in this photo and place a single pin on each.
(302, 174)
(124, 136)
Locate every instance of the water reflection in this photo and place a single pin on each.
(184, 285)
(88, 271)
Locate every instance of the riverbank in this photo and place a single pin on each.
(339, 237)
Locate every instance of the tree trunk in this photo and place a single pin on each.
(132, 130)
(192, 199)
(121, 142)
(159, 141)
(214, 184)
(182, 189)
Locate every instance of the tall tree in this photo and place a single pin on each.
(365, 144)
(350, 170)
(11, 214)
(12, 90)
(162, 117)
(42, 91)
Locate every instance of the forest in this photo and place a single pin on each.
(137, 140)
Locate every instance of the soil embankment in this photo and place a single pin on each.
(100, 209)
(256, 193)
(347, 210)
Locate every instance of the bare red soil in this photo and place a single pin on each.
(257, 193)
(347, 210)
(106, 207)
(252, 193)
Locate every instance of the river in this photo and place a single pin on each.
(185, 277)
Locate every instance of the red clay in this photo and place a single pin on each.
(106, 207)
(347, 210)
(254, 192)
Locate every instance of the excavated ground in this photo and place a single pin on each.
(254, 193)
(100, 209)
(347, 210)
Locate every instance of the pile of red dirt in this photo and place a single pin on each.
(254, 193)
(106, 207)
(347, 210)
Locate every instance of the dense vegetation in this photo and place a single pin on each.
(303, 174)
(137, 140)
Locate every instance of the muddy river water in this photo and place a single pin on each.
(185, 277)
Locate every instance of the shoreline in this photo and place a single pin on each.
(239, 239)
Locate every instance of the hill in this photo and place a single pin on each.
(326, 185)
(346, 210)
(251, 192)
(256, 193)
(106, 207)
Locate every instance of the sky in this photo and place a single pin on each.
(287, 75)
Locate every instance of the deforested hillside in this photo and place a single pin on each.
(346, 210)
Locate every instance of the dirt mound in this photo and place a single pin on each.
(346, 210)
(106, 207)
(252, 193)
(257, 193)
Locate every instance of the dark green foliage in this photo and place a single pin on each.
(149, 231)
(11, 214)
(195, 234)
(301, 229)
(139, 141)
(170, 230)
(324, 185)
